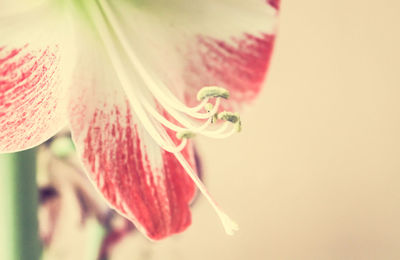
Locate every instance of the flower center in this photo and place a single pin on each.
(185, 121)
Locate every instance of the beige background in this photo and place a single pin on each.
(316, 172)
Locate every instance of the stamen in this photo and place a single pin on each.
(169, 124)
(185, 135)
(208, 92)
(177, 116)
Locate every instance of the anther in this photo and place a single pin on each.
(212, 92)
(229, 116)
(185, 134)
(234, 118)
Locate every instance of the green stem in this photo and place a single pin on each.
(19, 238)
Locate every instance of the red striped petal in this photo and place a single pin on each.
(36, 61)
(240, 64)
(227, 43)
(136, 177)
(153, 193)
(30, 94)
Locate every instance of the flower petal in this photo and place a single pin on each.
(35, 66)
(136, 177)
(226, 43)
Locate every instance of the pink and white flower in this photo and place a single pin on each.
(124, 74)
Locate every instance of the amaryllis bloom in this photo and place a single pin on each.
(133, 79)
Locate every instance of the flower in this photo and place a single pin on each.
(124, 75)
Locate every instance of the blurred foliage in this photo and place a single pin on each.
(74, 220)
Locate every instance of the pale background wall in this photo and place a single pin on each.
(316, 172)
